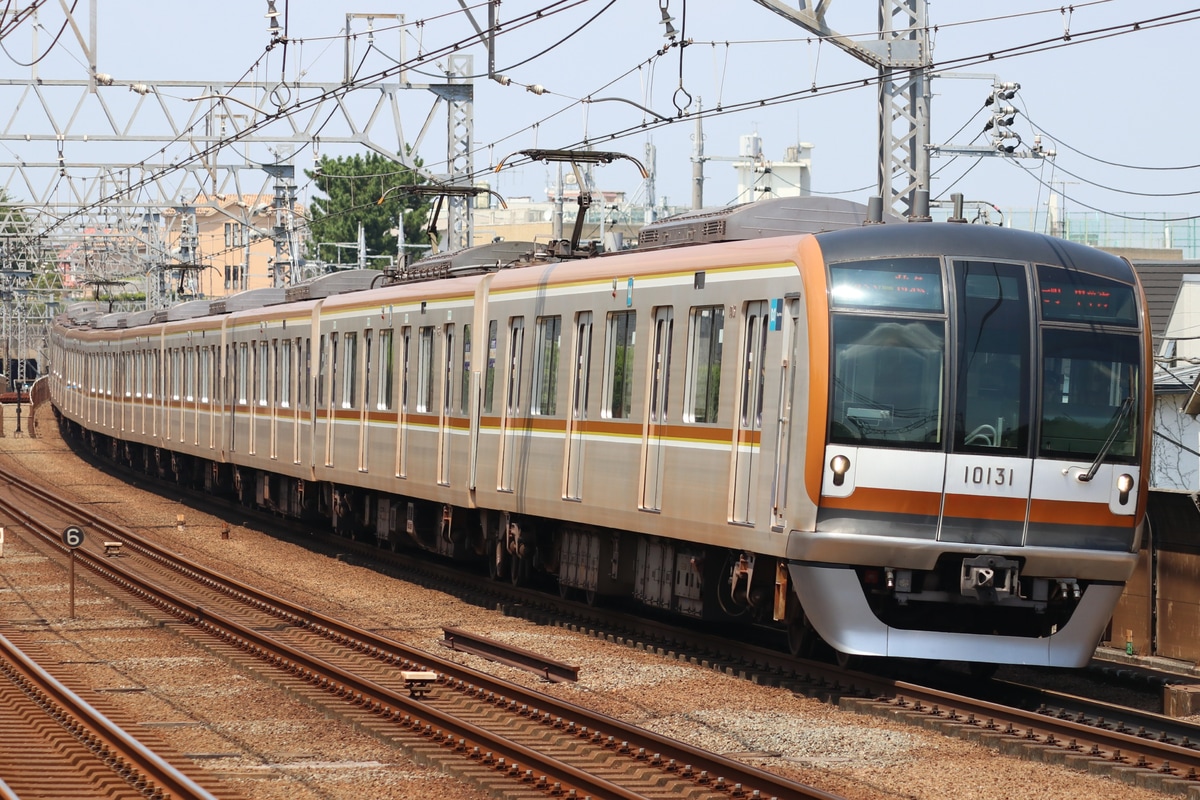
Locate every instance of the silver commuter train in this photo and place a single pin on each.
(925, 440)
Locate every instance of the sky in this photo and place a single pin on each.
(1100, 93)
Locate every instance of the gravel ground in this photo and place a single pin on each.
(266, 745)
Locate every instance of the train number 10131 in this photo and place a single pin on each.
(988, 476)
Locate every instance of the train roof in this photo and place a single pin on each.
(968, 240)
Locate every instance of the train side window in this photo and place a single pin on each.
(706, 336)
(334, 374)
(306, 374)
(176, 373)
(349, 369)
(489, 380)
(127, 374)
(425, 368)
(618, 364)
(464, 389)
(545, 366)
(387, 371)
(516, 342)
(368, 373)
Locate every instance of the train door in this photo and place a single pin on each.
(750, 406)
(509, 431)
(447, 406)
(654, 429)
(789, 321)
(577, 419)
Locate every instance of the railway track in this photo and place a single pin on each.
(486, 731)
(54, 743)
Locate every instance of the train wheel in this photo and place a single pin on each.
(566, 592)
(847, 661)
(801, 637)
(517, 570)
(590, 597)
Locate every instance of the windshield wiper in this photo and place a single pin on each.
(1122, 414)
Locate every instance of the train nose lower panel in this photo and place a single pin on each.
(833, 600)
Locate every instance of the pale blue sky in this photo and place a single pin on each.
(1122, 99)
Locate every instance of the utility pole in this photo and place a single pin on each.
(902, 58)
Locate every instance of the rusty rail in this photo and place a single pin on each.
(466, 642)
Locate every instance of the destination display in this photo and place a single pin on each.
(1072, 296)
(897, 284)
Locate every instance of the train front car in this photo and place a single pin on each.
(981, 490)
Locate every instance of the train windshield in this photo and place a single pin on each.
(888, 381)
(1089, 387)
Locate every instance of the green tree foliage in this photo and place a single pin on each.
(351, 187)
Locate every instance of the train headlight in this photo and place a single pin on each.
(840, 466)
(1124, 487)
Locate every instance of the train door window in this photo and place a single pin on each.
(660, 378)
(322, 371)
(277, 371)
(285, 373)
(305, 376)
(583, 364)
(545, 366)
(489, 378)
(139, 373)
(349, 369)
(262, 365)
(464, 384)
(448, 370)
(242, 367)
(425, 367)
(368, 367)
(176, 373)
(205, 373)
(387, 371)
(127, 375)
(618, 362)
(992, 412)
(189, 377)
(754, 371)
(516, 341)
(706, 334)
(405, 357)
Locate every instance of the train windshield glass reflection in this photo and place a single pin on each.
(1073, 296)
(893, 284)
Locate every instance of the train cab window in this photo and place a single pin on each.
(618, 362)
(992, 409)
(349, 370)
(489, 379)
(545, 366)
(888, 376)
(464, 388)
(1090, 388)
(425, 369)
(706, 333)
(386, 370)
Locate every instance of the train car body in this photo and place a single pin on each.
(908, 440)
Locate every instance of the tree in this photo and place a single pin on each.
(352, 186)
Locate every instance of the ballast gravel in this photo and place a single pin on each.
(266, 745)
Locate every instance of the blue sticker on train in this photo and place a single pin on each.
(776, 314)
